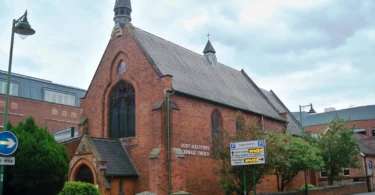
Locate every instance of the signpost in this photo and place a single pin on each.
(8, 143)
(248, 153)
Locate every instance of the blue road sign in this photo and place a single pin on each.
(232, 145)
(370, 165)
(260, 143)
(8, 143)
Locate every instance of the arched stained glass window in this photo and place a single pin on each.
(122, 111)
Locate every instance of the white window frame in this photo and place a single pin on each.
(11, 91)
(359, 130)
(343, 173)
(59, 97)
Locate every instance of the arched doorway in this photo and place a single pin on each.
(84, 174)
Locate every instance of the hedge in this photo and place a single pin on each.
(308, 186)
(79, 188)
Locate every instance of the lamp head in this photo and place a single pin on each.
(311, 111)
(23, 27)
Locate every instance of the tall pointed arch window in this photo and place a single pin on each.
(122, 111)
(216, 123)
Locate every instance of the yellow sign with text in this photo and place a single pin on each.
(255, 150)
(250, 160)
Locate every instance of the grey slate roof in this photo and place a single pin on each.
(209, 48)
(118, 162)
(65, 135)
(194, 75)
(355, 113)
(366, 144)
(293, 126)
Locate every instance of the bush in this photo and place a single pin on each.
(79, 188)
(308, 186)
(42, 163)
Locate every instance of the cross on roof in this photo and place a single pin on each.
(208, 35)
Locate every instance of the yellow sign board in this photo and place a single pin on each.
(250, 160)
(255, 150)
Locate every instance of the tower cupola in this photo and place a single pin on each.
(209, 52)
(123, 10)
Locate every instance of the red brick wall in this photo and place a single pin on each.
(367, 124)
(192, 125)
(352, 188)
(46, 114)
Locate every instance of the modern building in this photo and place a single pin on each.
(362, 119)
(151, 109)
(52, 105)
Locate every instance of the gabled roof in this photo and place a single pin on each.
(352, 114)
(118, 162)
(192, 74)
(293, 126)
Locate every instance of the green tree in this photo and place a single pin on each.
(232, 176)
(339, 149)
(41, 162)
(293, 155)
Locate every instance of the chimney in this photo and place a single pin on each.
(71, 132)
(329, 109)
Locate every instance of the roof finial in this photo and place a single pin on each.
(208, 35)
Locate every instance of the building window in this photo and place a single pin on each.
(59, 98)
(13, 88)
(122, 111)
(323, 174)
(215, 128)
(345, 172)
(215, 122)
(238, 126)
(373, 131)
(360, 131)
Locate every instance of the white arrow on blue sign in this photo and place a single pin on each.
(8, 143)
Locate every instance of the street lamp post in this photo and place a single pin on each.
(23, 28)
(311, 111)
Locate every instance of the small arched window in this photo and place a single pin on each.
(122, 111)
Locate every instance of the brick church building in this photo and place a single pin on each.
(151, 108)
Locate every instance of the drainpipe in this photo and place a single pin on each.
(169, 93)
(367, 178)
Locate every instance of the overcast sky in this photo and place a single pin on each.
(310, 51)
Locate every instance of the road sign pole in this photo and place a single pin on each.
(254, 181)
(244, 180)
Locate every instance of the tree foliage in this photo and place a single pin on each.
(339, 149)
(294, 154)
(41, 162)
(232, 176)
(79, 188)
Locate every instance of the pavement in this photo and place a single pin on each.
(369, 193)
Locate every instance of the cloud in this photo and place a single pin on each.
(311, 51)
